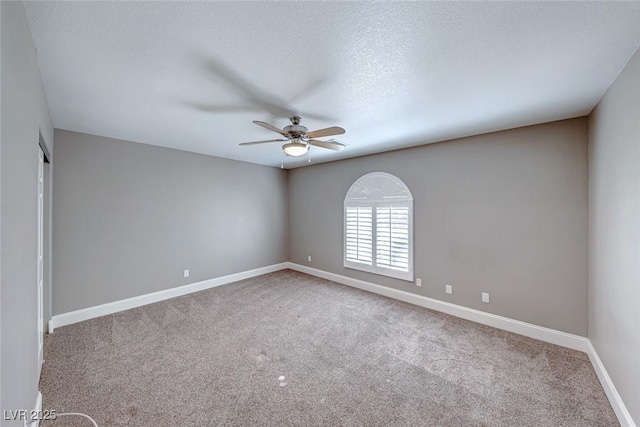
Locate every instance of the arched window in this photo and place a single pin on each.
(378, 226)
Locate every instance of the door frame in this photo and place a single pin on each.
(40, 260)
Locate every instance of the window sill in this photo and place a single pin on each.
(380, 271)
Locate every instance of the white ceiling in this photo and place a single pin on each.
(193, 75)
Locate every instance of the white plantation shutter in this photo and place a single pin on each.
(359, 234)
(378, 221)
(392, 237)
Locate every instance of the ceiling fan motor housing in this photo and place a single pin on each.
(296, 131)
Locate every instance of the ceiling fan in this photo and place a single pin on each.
(299, 138)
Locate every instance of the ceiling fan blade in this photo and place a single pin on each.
(247, 90)
(331, 144)
(335, 130)
(322, 117)
(211, 108)
(271, 127)
(263, 142)
(309, 90)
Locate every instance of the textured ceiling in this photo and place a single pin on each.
(193, 76)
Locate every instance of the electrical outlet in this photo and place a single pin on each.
(186, 273)
(309, 258)
(418, 282)
(485, 297)
(448, 289)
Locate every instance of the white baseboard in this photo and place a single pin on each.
(624, 417)
(76, 316)
(527, 329)
(541, 333)
(552, 336)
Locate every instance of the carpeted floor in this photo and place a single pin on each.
(291, 349)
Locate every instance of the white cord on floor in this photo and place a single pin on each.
(95, 424)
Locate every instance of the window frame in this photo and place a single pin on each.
(374, 203)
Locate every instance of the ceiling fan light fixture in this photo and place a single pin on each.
(295, 149)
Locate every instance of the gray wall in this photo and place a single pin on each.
(504, 213)
(614, 233)
(128, 218)
(24, 116)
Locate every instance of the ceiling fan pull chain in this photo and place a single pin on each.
(309, 151)
(282, 161)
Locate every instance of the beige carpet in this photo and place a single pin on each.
(291, 349)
